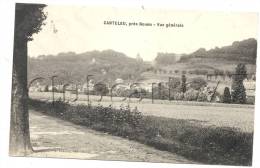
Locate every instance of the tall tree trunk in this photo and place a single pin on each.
(19, 129)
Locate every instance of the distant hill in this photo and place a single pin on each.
(224, 59)
(240, 51)
(165, 58)
(106, 66)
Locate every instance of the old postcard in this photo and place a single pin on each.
(133, 84)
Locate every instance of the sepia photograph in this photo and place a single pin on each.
(133, 84)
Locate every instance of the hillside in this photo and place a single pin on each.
(240, 51)
(109, 65)
(224, 58)
(106, 66)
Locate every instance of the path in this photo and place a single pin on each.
(52, 137)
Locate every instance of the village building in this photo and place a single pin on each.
(89, 86)
(119, 80)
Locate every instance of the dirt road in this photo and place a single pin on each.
(52, 137)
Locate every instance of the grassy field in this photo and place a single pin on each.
(93, 98)
(207, 114)
(191, 139)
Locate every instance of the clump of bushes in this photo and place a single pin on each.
(183, 83)
(100, 118)
(202, 97)
(209, 145)
(250, 100)
(213, 145)
(191, 95)
(238, 89)
(226, 96)
(178, 96)
(197, 83)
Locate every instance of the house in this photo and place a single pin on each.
(50, 88)
(43, 88)
(146, 86)
(250, 87)
(89, 86)
(119, 80)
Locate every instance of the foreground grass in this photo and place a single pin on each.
(208, 145)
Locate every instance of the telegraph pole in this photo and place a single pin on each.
(169, 94)
(52, 85)
(159, 90)
(88, 88)
(152, 91)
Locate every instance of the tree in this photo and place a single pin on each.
(226, 95)
(101, 89)
(197, 83)
(165, 58)
(28, 21)
(183, 83)
(238, 90)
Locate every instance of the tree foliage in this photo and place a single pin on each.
(29, 19)
(238, 89)
(183, 83)
(197, 83)
(174, 82)
(241, 51)
(165, 58)
(101, 89)
(226, 95)
(106, 65)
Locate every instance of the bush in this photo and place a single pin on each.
(239, 93)
(198, 83)
(183, 83)
(209, 145)
(121, 92)
(191, 95)
(250, 100)
(202, 97)
(174, 83)
(199, 72)
(238, 89)
(101, 89)
(178, 96)
(226, 96)
(213, 145)
(160, 92)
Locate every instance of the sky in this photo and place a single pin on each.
(82, 28)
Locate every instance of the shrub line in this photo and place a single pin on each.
(207, 145)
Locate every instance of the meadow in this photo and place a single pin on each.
(206, 144)
(240, 116)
